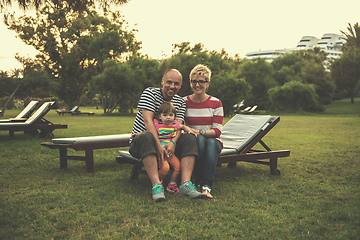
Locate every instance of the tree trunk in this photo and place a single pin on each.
(352, 95)
(7, 102)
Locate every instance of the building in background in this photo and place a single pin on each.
(330, 43)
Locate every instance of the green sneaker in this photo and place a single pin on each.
(188, 189)
(158, 193)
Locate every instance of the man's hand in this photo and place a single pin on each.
(135, 134)
(160, 150)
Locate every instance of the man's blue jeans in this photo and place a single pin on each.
(205, 164)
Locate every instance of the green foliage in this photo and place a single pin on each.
(73, 46)
(10, 105)
(346, 71)
(73, 5)
(114, 84)
(258, 74)
(185, 58)
(121, 84)
(294, 96)
(352, 37)
(226, 82)
(306, 66)
(231, 88)
(7, 84)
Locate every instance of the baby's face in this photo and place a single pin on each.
(167, 118)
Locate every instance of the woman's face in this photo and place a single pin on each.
(199, 84)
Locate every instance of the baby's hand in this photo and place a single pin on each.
(192, 132)
(188, 130)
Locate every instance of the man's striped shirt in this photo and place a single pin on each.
(150, 100)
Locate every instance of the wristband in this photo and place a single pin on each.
(173, 142)
(204, 133)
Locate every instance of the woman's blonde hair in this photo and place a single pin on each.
(201, 70)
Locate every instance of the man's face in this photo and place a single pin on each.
(171, 84)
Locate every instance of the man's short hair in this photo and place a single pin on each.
(172, 69)
(201, 70)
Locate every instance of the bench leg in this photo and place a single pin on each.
(135, 172)
(89, 155)
(231, 165)
(273, 167)
(63, 157)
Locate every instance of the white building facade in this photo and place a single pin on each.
(330, 43)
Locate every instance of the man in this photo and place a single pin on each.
(146, 146)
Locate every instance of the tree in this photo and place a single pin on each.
(230, 89)
(121, 84)
(258, 73)
(72, 46)
(305, 66)
(9, 84)
(113, 83)
(185, 58)
(352, 37)
(72, 5)
(293, 96)
(25, 82)
(346, 71)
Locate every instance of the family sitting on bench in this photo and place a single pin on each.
(199, 148)
(203, 113)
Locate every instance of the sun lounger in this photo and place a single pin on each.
(82, 113)
(87, 144)
(245, 109)
(239, 135)
(24, 115)
(252, 110)
(73, 110)
(249, 110)
(34, 123)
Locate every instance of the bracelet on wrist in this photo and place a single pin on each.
(173, 142)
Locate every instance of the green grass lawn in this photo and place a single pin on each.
(315, 197)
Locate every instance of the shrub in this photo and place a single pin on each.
(294, 96)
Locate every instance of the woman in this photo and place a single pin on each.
(204, 114)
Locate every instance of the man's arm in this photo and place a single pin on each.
(148, 117)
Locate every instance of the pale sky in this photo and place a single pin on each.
(237, 26)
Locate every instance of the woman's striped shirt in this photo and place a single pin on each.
(205, 115)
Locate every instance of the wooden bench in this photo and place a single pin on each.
(239, 135)
(88, 145)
